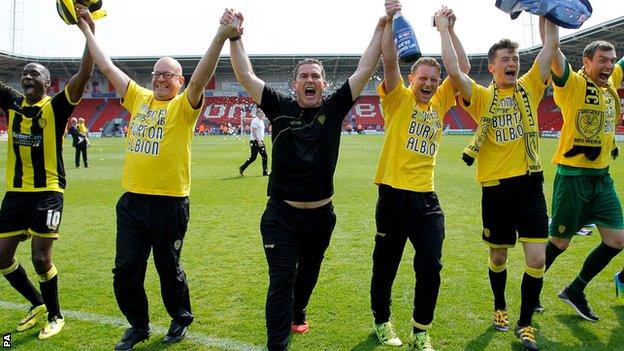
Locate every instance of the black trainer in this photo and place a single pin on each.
(131, 337)
(241, 170)
(176, 332)
(527, 337)
(578, 301)
(538, 308)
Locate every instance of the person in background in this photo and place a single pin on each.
(256, 144)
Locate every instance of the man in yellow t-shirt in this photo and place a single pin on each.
(508, 167)
(583, 190)
(154, 212)
(81, 148)
(407, 206)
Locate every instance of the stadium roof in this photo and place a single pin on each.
(335, 65)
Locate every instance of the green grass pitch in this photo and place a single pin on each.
(227, 272)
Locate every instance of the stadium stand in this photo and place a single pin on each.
(226, 101)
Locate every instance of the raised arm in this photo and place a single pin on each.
(460, 80)
(76, 84)
(114, 75)
(368, 62)
(240, 61)
(549, 32)
(208, 63)
(462, 58)
(389, 57)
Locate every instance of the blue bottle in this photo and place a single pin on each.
(404, 39)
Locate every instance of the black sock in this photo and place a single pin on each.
(595, 262)
(552, 252)
(49, 291)
(530, 290)
(19, 280)
(498, 282)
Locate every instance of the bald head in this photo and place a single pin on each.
(38, 67)
(168, 64)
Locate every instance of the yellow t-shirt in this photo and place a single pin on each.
(503, 153)
(82, 128)
(569, 95)
(158, 144)
(413, 134)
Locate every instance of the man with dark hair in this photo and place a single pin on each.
(256, 143)
(154, 212)
(35, 182)
(583, 190)
(299, 218)
(509, 167)
(407, 206)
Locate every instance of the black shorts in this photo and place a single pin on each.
(31, 214)
(514, 209)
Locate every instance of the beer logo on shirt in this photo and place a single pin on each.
(589, 122)
(42, 122)
(321, 119)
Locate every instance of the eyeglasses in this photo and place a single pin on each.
(166, 75)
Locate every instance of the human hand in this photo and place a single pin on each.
(392, 7)
(84, 17)
(231, 23)
(442, 18)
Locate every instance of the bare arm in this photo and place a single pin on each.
(242, 66)
(464, 63)
(368, 62)
(76, 84)
(550, 41)
(389, 57)
(114, 75)
(208, 63)
(460, 80)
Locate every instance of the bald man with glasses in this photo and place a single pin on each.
(154, 212)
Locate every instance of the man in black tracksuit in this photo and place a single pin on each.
(299, 218)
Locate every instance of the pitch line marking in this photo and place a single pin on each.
(224, 344)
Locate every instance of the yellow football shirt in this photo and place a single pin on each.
(35, 140)
(158, 144)
(503, 153)
(569, 95)
(413, 134)
(82, 128)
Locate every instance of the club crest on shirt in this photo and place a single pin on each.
(561, 229)
(42, 122)
(589, 122)
(321, 119)
(177, 244)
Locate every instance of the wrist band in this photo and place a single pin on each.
(235, 38)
